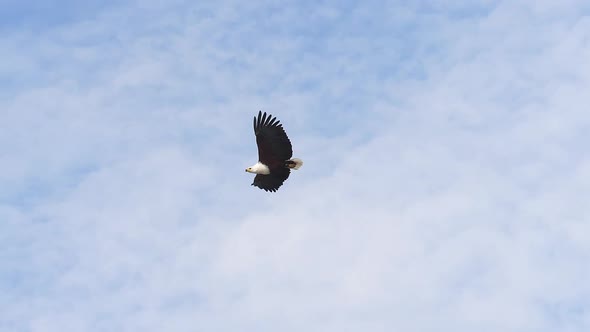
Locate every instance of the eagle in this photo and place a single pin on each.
(275, 154)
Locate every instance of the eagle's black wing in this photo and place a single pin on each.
(272, 181)
(274, 147)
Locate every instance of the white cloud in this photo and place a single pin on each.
(444, 186)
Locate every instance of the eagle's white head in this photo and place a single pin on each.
(258, 168)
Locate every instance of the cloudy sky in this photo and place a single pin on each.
(445, 187)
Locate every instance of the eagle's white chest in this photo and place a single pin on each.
(259, 168)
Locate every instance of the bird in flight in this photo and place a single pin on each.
(274, 154)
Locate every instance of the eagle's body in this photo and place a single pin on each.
(274, 154)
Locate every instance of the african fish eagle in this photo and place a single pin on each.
(274, 154)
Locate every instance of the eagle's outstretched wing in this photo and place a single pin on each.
(274, 147)
(272, 181)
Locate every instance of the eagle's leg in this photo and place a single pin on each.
(294, 163)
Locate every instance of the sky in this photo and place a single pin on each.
(445, 186)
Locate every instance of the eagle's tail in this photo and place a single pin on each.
(294, 163)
